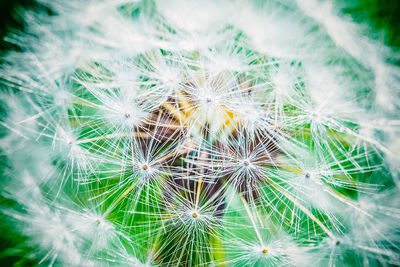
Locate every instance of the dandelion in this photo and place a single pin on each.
(199, 133)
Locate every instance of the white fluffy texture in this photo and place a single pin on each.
(293, 74)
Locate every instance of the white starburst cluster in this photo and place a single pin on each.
(199, 133)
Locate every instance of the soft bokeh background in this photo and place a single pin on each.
(382, 16)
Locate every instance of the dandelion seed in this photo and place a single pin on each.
(187, 133)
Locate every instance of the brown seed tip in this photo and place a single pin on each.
(145, 167)
(97, 221)
(246, 163)
(195, 215)
(265, 251)
(127, 115)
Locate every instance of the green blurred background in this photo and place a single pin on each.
(382, 16)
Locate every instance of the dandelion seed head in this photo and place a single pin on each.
(199, 133)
